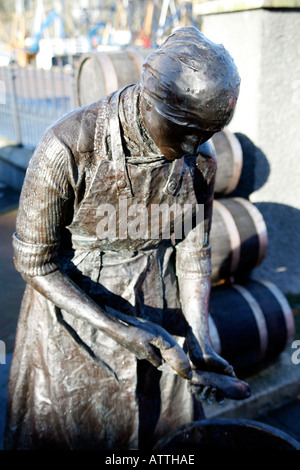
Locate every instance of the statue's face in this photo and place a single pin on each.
(174, 140)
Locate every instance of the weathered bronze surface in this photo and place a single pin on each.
(113, 331)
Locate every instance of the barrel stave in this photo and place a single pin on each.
(249, 241)
(230, 161)
(252, 325)
(236, 326)
(238, 238)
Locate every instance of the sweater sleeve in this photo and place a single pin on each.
(193, 253)
(43, 208)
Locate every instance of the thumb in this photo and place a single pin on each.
(178, 360)
(160, 342)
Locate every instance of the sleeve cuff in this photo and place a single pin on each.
(34, 259)
(193, 264)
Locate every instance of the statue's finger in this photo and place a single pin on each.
(212, 396)
(205, 392)
(160, 342)
(195, 389)
(229, 370)
(152, 356)
(178, 360)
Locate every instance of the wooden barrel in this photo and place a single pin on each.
(222, 434)
(238, 238)
(250, 322)
(230, 161)
(99, 73)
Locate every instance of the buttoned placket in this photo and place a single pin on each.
(175, 177)
(124, 187)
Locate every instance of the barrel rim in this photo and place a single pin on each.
(260, 227)
(233, 234)
(109, 72)
(285, 306)
(237, 152)
(258, 316)
(137, 58)
(237, 159)
(227, 422)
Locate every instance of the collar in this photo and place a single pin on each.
(138, 145)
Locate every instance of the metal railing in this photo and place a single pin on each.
(31, 99)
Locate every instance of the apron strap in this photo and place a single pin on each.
(118, 156)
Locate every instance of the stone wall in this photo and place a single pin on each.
(265, 44)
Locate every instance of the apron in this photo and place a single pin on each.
(84, 391)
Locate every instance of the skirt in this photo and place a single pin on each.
(73, 387)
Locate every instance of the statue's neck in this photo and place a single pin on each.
(136, 138)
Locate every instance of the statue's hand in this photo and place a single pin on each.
(214, 387)
(206, 359)
(152, 342)
(207, 393)
(215, 363)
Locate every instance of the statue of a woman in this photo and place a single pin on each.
(103, 310)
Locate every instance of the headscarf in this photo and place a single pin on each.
(191, 79)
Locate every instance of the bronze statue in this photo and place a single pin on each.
(112, 345)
